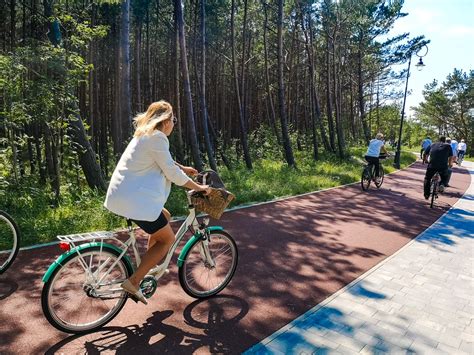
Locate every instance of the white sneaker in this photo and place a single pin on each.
(441, 188)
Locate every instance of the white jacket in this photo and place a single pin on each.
(141, 182)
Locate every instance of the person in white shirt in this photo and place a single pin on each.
(373, 151)
(141, 183)
(461, 149)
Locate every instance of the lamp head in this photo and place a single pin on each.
(420, 64)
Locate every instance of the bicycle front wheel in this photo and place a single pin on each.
(84, 293)
(379, 179)
(9, 241)
(365, 179)
(198, 277)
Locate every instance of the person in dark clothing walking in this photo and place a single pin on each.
(440, 154)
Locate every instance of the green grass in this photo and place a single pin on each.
(270, 179)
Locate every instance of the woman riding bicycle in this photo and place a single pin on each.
(141, 183)
(373, 151)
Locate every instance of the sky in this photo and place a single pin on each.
(449, 25)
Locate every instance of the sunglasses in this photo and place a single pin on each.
(175, 120)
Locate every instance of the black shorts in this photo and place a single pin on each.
(154, 226)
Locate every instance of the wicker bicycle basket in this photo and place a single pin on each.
(215, 202)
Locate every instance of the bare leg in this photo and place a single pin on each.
(160, 241)
(151, 241)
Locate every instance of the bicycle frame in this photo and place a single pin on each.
(91, 278)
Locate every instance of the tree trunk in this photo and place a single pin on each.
(87, 157)
(149, 84)
(37, 137)
(12, 24)
(267, 78)
(243, 132)
(210, 153)
(328, 96)
(124, 75)
(315, 107)
(281, 91)
(361, 94)
(242, 66)
(336, 88)
(31, 156)
(138, 60)
(187, 87)
(51, 161)
(177, 95)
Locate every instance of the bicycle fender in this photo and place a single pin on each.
(193, 240)
(58, 262)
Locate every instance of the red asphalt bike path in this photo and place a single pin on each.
(293, 254)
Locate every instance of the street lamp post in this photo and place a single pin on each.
(420, 66)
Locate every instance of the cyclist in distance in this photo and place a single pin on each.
(440, 160)
(425, 144)
(461, 149)
(141, 183)
(373, 151)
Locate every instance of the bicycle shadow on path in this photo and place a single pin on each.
(7, 288)
(209, 318)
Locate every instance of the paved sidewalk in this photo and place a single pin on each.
(420, 300)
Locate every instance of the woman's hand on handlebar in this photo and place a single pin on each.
(197, 187)
(206, 189)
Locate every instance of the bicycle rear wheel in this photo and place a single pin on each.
(197, 277)
(9, 241)
(379, 179)
(365, 179)
(71, 299)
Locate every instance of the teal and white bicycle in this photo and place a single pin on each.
(82, 291)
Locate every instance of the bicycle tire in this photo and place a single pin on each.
(434, 188)
(379, 183)
(365, 179)
(186, 274)
(52, 315)
(8, 230)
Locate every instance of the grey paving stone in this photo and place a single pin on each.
(447, 349)
(295, 343)
(450, 340)
(345, 340)
(467, 347)
(422, 348)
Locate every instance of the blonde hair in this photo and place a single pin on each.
(147, 122)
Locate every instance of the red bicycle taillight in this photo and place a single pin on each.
(64, 246)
